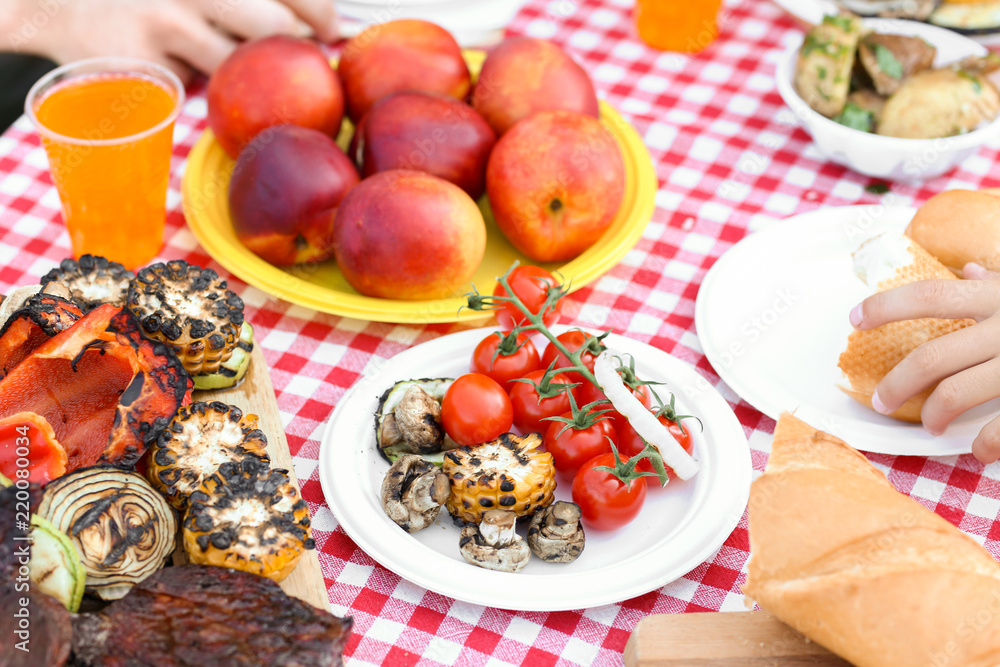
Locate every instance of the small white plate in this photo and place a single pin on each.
(813, 11)
(772, 318)
(680, 526)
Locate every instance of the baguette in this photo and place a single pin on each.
(863, 570)
(960, 226)
(884, 262)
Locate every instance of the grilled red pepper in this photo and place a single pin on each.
(106, 390)
(27, 438)
(41, 317)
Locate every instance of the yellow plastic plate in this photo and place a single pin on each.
(322, 287)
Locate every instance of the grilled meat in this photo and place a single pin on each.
(91, 281)
(193, 616)
(48, 638)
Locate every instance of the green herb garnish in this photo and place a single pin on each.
(856, 118)
(973, 79)
(821, 71)
(877, 188)
(887, 62)
(843, 22)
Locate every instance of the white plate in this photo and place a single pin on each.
(679, 527)
(772, 318)
(813, 11)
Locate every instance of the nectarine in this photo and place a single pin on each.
(408, 235)
(555, 182)
(285, 191)
(425, 132)
(524, 75)
(407, 54)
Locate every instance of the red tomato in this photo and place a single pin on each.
(475, 410)
(573, 340)
(630, 444)
(505, 365)
(529, 410)
(573, 447)
(530, 285)
(605, 502)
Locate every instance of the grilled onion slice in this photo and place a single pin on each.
(123, 529)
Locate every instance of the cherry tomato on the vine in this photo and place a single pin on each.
(504, 366)
(530, 284)
(631, 443)
(573, 340)
(529, 410)
(572, 447)
(605, 501)
(589, 393)
(475, 409)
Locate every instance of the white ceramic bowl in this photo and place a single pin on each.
(889, 157)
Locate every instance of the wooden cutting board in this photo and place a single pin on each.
(255, 395)
(716, 639)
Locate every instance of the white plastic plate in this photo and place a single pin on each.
(680, 526)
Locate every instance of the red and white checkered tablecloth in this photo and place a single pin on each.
(729, 156)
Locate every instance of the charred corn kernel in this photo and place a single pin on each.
(91, 281)
(248, 517)
(508, 473)
(201, 437)
(191, 310)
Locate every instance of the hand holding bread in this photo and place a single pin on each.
(927, 346)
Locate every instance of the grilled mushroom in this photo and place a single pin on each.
(409, 418)
(122, 528)
(248, 517)
(919, 10)
(508, 473)
(201, 437)
(413, 492)
(493, 544)
(91, 281)
(556, 534)
(190, 309)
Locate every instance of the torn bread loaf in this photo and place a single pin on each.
(840, 555)
(960, 226)
(885, 262)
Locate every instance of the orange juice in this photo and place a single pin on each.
(108, 136)
(671, 25)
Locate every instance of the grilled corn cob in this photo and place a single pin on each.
(91, 281)
(508, 473)
(248, 517)
(201, 437)
(190, 309)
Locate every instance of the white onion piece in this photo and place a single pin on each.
(642, 420)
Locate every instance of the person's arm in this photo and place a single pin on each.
(183, 34)
(965, 364)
